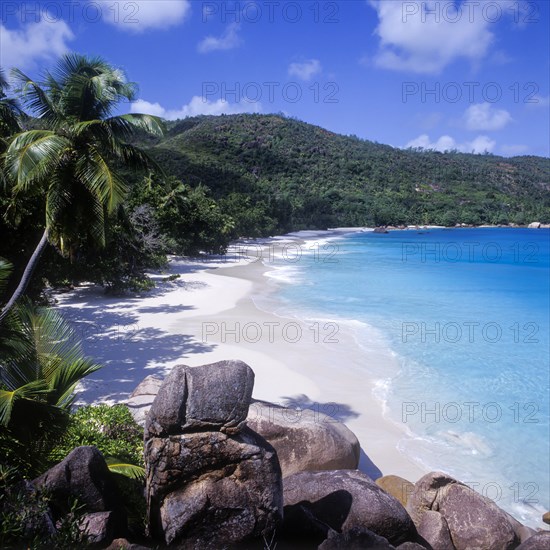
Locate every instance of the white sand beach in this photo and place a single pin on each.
(209, 313)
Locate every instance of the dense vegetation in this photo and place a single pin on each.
(274, 174)
(226, 177)
(60, 175)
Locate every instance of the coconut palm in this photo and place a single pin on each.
(76, 155)
(10, 112)
(41, 362)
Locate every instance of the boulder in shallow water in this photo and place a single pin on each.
(304, 439)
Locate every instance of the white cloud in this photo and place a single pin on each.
(539, 101)
(197, 106)
(227, 41)
(141, 15)
(513, 150)
(412, 39)
(480, 144)
(306, 70)
(36, 42)
(483, 117)
(447, 143)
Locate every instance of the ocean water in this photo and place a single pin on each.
(467, 314)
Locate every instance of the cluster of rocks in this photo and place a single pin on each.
(538, 225)
(210, 480)
(387, 228)
(225, 471)
(83, 477)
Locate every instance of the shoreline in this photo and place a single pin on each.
(210, 313)
(224, 308)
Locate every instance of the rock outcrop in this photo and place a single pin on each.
(142, 398)
(305, 440)
(83, 475)
(534, 225)
(434, 530)
(355, 539)
(397, 487)
(540, 541)
(342, 500)
(123, 544)
(473, 521)
(211, 481)
(99, 527)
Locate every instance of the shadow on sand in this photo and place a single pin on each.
(127, 351)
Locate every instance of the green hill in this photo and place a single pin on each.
(275, 174)
(258, 175)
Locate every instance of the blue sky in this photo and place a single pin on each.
(468, 75)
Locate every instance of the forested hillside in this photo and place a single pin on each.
(225, 177)
(276, 174)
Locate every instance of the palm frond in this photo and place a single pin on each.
(33, 155)
(52, 354)
(3, 82)
(58, 198)
(97, 224)
(118, 466)
(101, 180)
(91, 88)
(66, 376)
(147, 123)
(32, 391)
(35, 97)
(10, 115)
(5, 272)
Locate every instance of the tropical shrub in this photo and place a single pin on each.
(110, 428)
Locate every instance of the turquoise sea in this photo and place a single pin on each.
(467, 314)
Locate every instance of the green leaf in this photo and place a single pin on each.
(148, 123)
(33, 155)
(31, 391)
(117, 466)
(94, 172)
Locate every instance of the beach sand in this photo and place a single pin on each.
(210, 313)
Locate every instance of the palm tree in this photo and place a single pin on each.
(76, 157)
(10, 112)
(41, 362)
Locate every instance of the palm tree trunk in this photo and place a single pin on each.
(27, 274)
